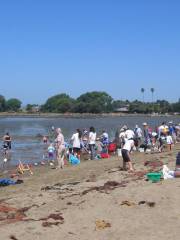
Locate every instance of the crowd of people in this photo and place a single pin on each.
(143, 139)
(146, 139)
(81, 141)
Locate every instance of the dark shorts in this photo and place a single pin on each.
(125, 155)
(51, 155)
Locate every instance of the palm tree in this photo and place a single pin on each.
(152, 91)
(143, 90)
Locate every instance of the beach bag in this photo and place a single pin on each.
(105, 155)
(74, 160)
(112, 147)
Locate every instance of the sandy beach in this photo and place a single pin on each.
(95, 200)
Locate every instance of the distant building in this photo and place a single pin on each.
(123, 109)
(35, 109)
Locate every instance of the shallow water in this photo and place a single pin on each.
(28, 147)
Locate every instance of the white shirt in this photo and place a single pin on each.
(76, 140)
(129, 134)
(139, 132)
(129, 144)
(122, 135)
(169, 140)
(163, 128)
(92, 138)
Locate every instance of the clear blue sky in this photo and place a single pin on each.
(73, 46)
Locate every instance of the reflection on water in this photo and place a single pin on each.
(28, 147)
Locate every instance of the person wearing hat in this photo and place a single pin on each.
(138, 135)
(122, 137)
(126, 150)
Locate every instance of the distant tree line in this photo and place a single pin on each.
(91, 102)
(10, 105)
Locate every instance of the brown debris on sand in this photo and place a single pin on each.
(50, 224)
(150, 204)
(54, 217)
(108, 186)
(12, 237)
(127, 203)
(57, 217)
(101, 225)
(10, 215)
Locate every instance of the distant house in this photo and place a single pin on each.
(123, 109)
(35, 109)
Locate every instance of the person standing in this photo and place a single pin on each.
(169, 141)
(92, 142)
(7, 140)
(60, 148)
(122, 137)
(147, 139)
(129, 134)
(76, 142)
(104, 138)
(126, 150)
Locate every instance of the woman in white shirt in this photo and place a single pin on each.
(76, 142)
(92, 142)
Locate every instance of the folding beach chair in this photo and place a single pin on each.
(23, 168)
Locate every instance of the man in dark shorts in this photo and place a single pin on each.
(128, 146)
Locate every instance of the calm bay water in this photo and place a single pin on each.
(28, 147)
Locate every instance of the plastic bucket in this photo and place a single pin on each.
(154, 176)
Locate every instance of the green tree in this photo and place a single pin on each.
(95, 102)
(30, 107)
(60, 103)
(164, 106)
(13, 104)
(176, 107)
(2, 103)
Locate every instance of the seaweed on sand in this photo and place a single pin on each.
(108, 186)
(10, 215)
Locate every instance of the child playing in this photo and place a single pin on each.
(51, 152)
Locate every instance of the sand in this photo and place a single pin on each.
(94, 200)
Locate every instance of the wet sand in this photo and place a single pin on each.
(94, 200)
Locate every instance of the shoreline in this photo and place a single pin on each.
(81, 115)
